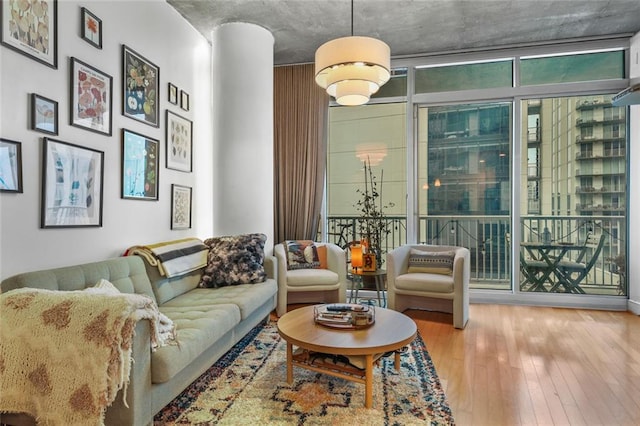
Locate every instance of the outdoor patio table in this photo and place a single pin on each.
(548, 257)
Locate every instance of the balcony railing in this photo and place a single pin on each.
(489, 240)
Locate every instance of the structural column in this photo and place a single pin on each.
(242, 74)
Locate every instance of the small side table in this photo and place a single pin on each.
(378, 276)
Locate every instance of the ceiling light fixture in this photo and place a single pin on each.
(352, 69)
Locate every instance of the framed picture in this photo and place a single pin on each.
(173, 94)
(184, 100)
(91, 30)
(369, 262)
(91, 98)
(179, 142)
(140, 88)
(180, 207)
(10, 166)
(72, 181)
(30, 27)
(44, 114)
(139, 166)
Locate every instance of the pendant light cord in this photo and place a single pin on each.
(351, 18)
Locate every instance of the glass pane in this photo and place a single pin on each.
(464, 77)
(572, 68)
(375, 134)
(464, 185)
(396, 86)
(573, 215)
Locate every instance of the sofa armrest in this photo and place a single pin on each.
(271, 267)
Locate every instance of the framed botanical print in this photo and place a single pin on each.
(44, 114)
(91, 98)
(10, 166)
(30, 27)
(180, 207)
(179, 142)
(184, 100)
(173, 94)
(139, 166)
(72, 181)
(140, 83)
(91, 29)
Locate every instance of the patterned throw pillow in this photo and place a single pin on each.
(301, 254)
(234, 260)
(439, 262)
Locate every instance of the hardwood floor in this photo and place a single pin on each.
(521, 365)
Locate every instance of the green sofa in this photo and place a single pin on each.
(209, 321)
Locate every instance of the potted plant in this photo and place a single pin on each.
(372, 223)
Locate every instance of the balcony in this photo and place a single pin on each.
(489, 240)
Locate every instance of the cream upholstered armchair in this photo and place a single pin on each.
(437, 278)
(328, 284)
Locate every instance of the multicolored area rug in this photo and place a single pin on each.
(248, 386)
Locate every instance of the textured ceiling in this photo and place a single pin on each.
(413, 27)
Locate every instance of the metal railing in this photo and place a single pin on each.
(488, 238)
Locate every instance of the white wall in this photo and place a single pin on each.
(634, 184)
(155, 30)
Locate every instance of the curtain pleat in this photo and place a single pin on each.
(300, 154)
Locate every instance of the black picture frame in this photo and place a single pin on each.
(10, 166)
(72, 185)
(43, 49)
(179, 149)
(140, 166)
(173, 94)
(140, 88)
(91, 98)
(91, 28)
(44, 114)
(184, 100)
(181, 197)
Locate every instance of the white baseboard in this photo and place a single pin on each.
(634, 306)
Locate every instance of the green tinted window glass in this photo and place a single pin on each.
(396, 86)
(572, 68)
(464, 77)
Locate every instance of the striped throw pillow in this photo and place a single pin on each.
(439, 262)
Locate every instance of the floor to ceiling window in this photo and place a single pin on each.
(522, 159)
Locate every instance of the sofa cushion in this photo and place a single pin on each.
(234, 260)
(311, 277)
(301, 254)
(434, 262)
(425, 282)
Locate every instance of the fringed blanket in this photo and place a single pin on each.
(64, 355)
(173, 258)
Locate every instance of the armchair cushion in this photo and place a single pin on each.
(234, 260)
(302, 254)
(432, 283)
(436, 262)
(311, 277)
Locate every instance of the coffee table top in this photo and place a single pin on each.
(392, 330)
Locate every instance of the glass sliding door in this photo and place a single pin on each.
(573, 217)
(464, 185)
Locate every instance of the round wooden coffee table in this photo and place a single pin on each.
(390, 332)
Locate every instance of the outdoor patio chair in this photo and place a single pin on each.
(576, 271)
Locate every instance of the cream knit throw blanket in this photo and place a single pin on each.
(64, 355)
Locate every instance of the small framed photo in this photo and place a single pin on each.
(30, 27)
(44, 114)
(369, 262)
(180, 207)
(184, 100)
(173, 94)
(91, 98)
(91, 30)
(10, 166)
(72, 181)
(140, 166)
(179, 142)
(140, 88)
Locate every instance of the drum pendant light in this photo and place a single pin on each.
(352, 69)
